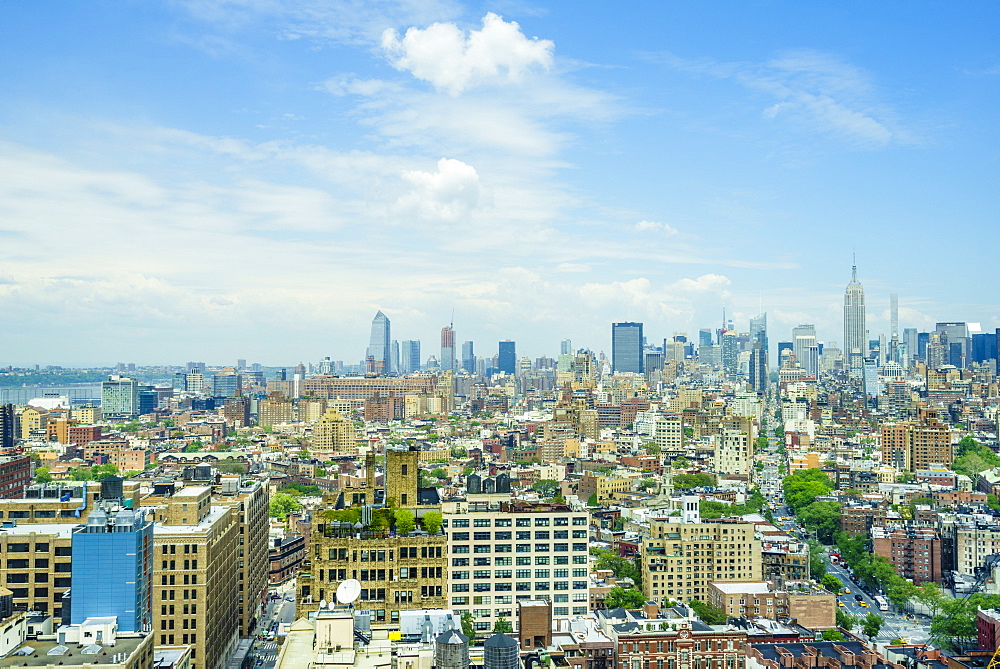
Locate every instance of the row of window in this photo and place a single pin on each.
(520, 535)
(485, 600)
(40, 547)
(519, 587)
(519, 561)
(518, 548)
(479, 574)
(518, 522)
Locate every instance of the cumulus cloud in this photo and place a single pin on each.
(453, 61)
(449, 194)
(653, 226)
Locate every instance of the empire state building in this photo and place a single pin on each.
(854, 324)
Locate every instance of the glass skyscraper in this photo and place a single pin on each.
(626, 347)
(380, 342)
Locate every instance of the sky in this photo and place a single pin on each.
(221, 179)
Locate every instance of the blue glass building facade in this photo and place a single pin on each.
(113, 569)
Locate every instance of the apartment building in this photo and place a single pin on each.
(681, 559)
(811, 606)
(915, 552)
(501, 553)
(974, 542)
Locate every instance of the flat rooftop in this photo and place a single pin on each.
(49, 653)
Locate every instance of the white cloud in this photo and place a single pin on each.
(814, 90)
(653, 226)
(450, 194)
(453, 61)
(572, 267)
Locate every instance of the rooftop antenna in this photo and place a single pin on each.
(854, 266)
(452, 324)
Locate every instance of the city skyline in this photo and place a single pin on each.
(177, 174)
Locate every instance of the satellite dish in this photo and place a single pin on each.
(348, 591)
(322, 603)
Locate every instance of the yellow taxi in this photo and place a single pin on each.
(847, 591)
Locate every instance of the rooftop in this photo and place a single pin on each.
(36, 653)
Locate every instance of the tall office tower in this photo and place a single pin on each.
(8, 426)
(379, 344)
(910, 339)
(506, 357)
(758, 333)
(468, 357)
(704, 337)
(730, 352)
(803, 339)
(394, 357)
(894, 327)
(626, 347)
(196, 367)
(120, 397)
(955, 338)
(566, 347)
(409, 356)
(447, 349)
(758, 368)
(854, 324)
(241, 363)
(112, 568)
(225, 384)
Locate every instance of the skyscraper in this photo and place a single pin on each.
(468, 357)
(758, 333)
(626, 347)
(730, 352)
(566, 347)
(410, 356)
(855, 346)
(506, 357)
(379, 345)
(7, 423)
(447, 348)
(805, 348)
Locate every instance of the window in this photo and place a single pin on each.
(541, 522)
(522, 522)
(481, 573)
(522, 535)
(459, 587)
(460, 562)
(459, 549)
(541, 534)
(523, 573)
(580, 521)
(481, 536)
(541, 573)
(460, 536)
(542, 559)
(481, 522)
(541, 548)
(502, 536)
(522, 560)
(560, 548)
(502, 522)
(460, 522)
(482, 548)
(17, 548)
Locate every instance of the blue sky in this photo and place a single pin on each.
(214, 179)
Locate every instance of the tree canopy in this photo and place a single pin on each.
(823, 518)
(283, 504)
(711, 615)
(688, 481)
(804, 486)
(621, 598)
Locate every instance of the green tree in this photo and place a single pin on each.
(546, 487)
(804, 486)
(194, 446)
(930, 595)
(680, 462)
(832, 583)
(711, 615)
(622, 567)
(905, 477)
(231, 468)
(502, 626)
(647, 483)
(823, 518)
(620, 598)
(688, 481)
(832, 635)
(283, 504)
(871, 624)
(817, 565)
(439, 473)
(593, 501)
(468, 625)
(405, 522)
(432, 521)
(845, 620)
(955, 626)
(652, 449)
(81, 474)
(42, 475)
(101, 472)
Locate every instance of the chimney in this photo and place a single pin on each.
(651, 609)
(370, 469)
